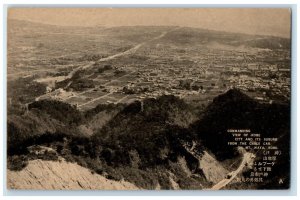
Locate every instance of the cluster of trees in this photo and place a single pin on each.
(119, 73)
(61, 111)
(101, 68)
(82, 84)
(187, 85)
(141, 143)
(25, 90)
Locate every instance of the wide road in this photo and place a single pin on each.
(247, 158)
(90, 64)
(127, 52)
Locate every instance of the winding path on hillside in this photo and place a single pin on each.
(247, 158)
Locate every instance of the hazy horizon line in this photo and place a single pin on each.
(111, 26)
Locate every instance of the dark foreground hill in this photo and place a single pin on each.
(235, 110)
(160, 143)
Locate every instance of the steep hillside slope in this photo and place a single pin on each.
(54, 175)
(213, 171)
(160, 143)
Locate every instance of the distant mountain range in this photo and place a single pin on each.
(198, 35)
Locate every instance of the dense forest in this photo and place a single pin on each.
(144, 143)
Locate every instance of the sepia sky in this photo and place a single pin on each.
(262, 21)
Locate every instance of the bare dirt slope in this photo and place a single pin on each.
(53, 175)
(212, 169)
(247, 159)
